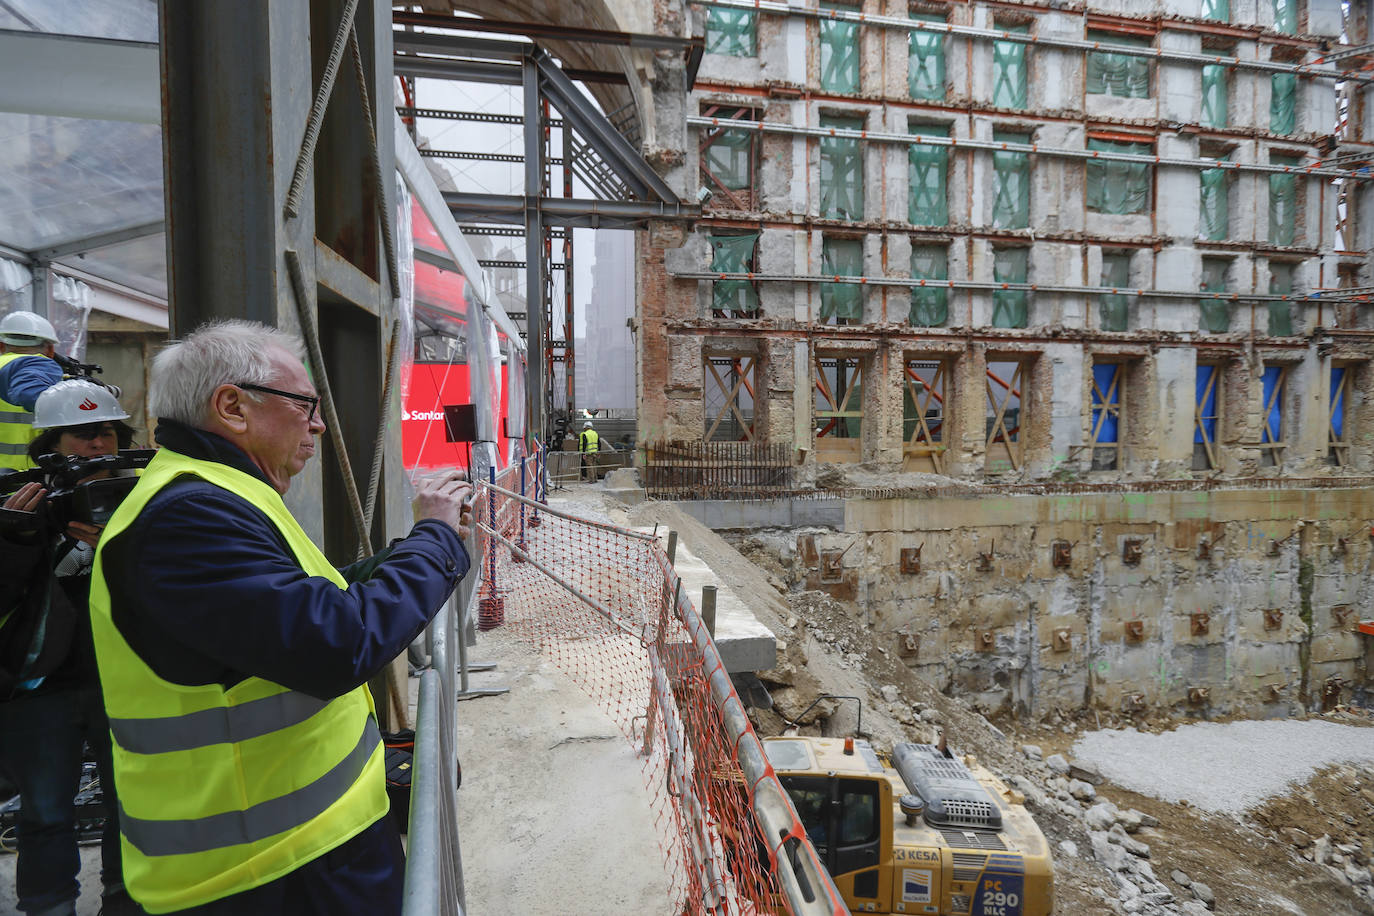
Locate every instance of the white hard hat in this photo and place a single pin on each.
(26, 329)
(587, 425)
(74, 402)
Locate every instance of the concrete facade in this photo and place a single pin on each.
(1277, 366)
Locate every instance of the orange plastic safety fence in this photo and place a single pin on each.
(593, 599)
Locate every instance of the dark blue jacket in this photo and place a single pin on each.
(205, 590)
(22, 380)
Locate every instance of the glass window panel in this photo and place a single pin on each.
(1215, 222)
(729, 157)
(842, 171)
(1283, 203)
(1215, 313)
(929, 304)
(1114, 307)
(1286, 16)
(842, 258)
(926, 62)
(1283, 102)
(1272, 385)
(1112, 73)
(839, 51)
(1011, 184)
(1010, 306)
(734, 254)
(730, 31)
(1214, 95)
(1280, 312)
(1118, 187)
(927, 203)
(1009, 70)
(1220, 10)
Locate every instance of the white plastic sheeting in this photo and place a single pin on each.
(16, 287)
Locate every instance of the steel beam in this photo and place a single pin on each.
(577, 212)
(72, 76)
(467, 71)
(537, 397)
(550, 31)
(101, 240)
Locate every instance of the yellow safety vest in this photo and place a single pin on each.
(221, 791)
(589, 441)
(16, 427)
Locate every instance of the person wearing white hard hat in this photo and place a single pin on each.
(50, 698)
(27, 369)
(588, 443)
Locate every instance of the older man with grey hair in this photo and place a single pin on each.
(234, 657)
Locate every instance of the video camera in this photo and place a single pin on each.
(72, 496)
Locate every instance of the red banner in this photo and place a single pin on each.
(424, 443)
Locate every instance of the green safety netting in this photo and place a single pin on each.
(843, 258)
(734, 254)
(1280, 313)
(842, 171)
(1214, 91)
(727, 157)
(1219, 10)
(1010, 306)
(839, 51)
(1215, 314)
(730, 32)
(1215, 222)
(1123, 75)
(1286, 16)
(1118, 187)
(1113, 307)
(927, 203)
(926, 62)
(929, 305)
(1283, 103)
(1011, 184)
(1009, 71)
(1283, 204)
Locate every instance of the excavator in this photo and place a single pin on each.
(917, 830)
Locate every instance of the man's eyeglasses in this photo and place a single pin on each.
(313, 401)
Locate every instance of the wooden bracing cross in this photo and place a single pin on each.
(1200, 422)
(740, 199)
(742, 367)
(1272, 439)
(999, 432)
(1107, 404)
(1338, 443)
(844, 407)
(924, 440)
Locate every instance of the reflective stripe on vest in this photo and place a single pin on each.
(223, 790)
(16, 427)
(266, 819)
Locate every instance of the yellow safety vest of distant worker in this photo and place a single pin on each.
(16, 429)
(223, 790)
(588, 440)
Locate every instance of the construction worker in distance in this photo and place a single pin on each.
(27, 369)
(588, 443)
(50, 701)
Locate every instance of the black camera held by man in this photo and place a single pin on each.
(73, 496)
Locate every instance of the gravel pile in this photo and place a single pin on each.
(1223, 768)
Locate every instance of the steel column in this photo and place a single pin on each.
(535, 328)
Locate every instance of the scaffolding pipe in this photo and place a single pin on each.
(777, 127)
(1073, 44)
(985, 286)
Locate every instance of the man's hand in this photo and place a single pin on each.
(447, 497)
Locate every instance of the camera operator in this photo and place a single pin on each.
(50, 699)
